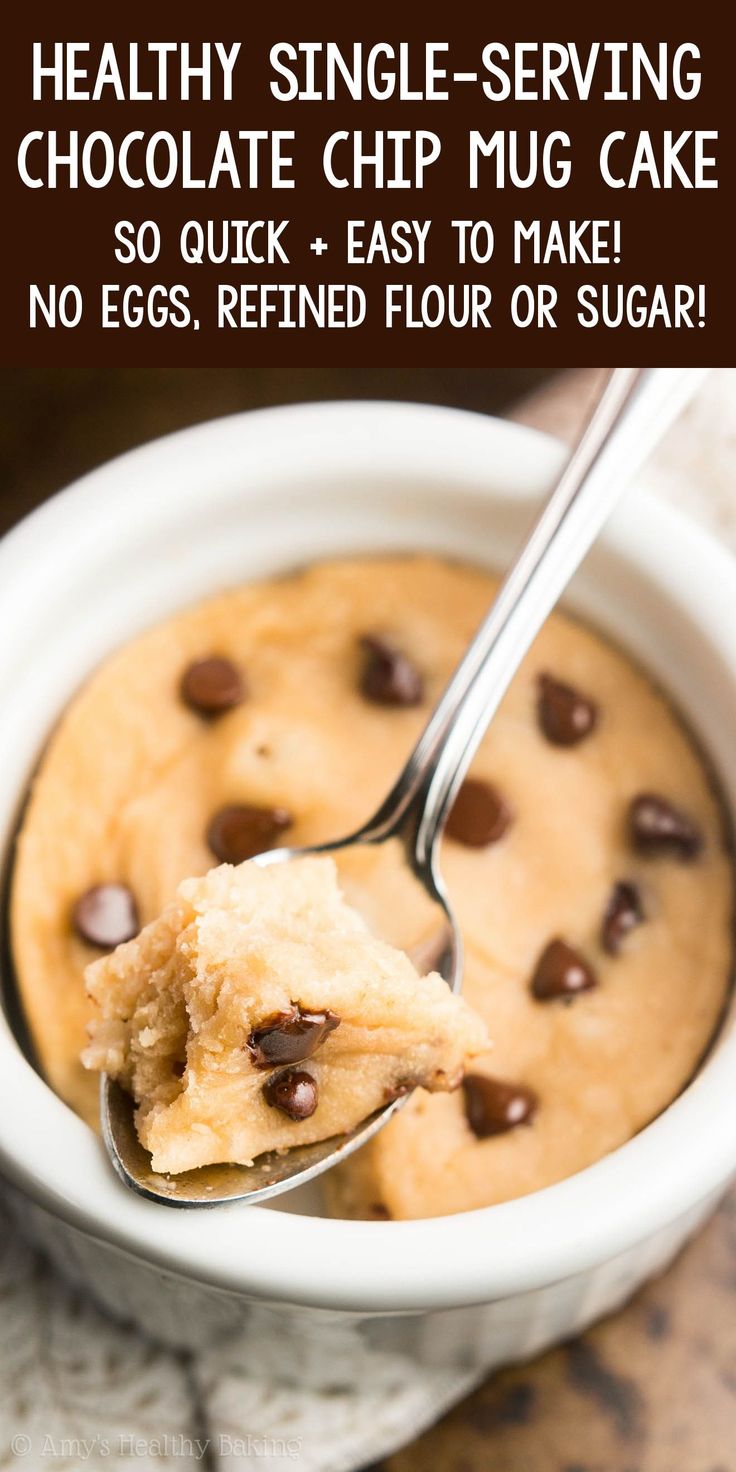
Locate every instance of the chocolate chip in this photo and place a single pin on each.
(656, 826)
(379, 1211)
(561, 972)
(294, 1092)
(623, 913)
(479, 814)
(565, 716)
(290, 1037)
(493, 1106)
(388, 676)
(106, 915)
(241, 830)
(211, 686)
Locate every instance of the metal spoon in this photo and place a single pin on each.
(635, 410)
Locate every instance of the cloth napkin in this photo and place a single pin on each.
(79, 1390)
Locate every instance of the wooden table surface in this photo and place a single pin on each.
(652, 1389)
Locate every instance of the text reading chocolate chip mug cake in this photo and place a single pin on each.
(585, 858)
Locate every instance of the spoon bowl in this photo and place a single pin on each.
(213, 1185)
(438, 949)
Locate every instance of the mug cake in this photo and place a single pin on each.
(586, 856)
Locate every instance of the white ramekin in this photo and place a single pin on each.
(235, 499)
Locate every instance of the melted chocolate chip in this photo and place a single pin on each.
(493, 1106)
(656, 826)
(388, 676)
(241, 830)
(561, 972)
(479, 815)
(379, 1211)
(565, 715)
(623, 913)
(294, 1092)
(290, 1037)
(211, 686)
(106, 915)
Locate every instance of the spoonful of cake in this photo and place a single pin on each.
(259, 1031)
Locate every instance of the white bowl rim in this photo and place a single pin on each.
(676, 1163)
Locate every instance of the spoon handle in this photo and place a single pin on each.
(635, 410)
